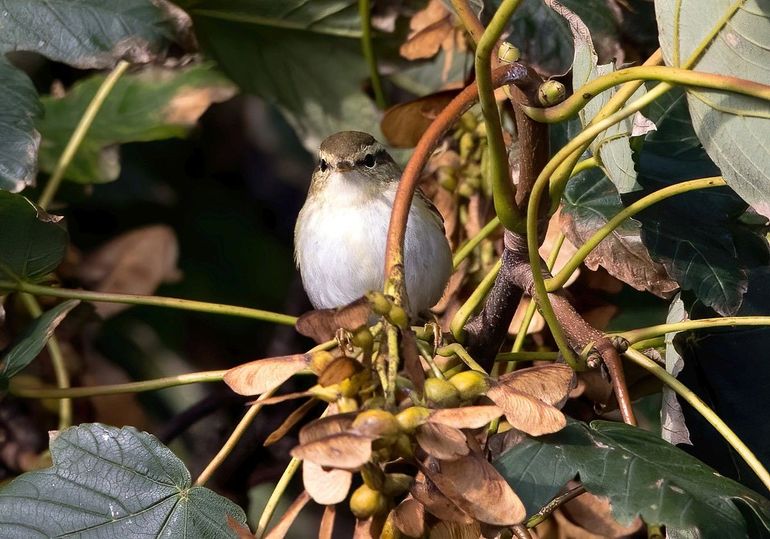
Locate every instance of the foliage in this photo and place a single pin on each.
(421, 435)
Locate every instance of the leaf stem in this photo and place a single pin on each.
(156, 301)
(553, 505)
(57, 361)
(367, 47)
(671, 75)
(115, 389)
(596, 238)
(238, 432)
(471, 23)
(637, 335)
(275, 497)
(704, 410)
(467, 248)
(542, 182)
(457, 349)
(467, 309)
(80, 132)
(499, 170)
(527, 356)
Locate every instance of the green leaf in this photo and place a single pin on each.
(32, 242)
(544, 37)
(18, 138)
(734, 129)
(641, 475)
(110, 482)
(85, 33)
(156, 103)
(31, 342)
(304, 57)
(694, 235)
(590, 201)
(612, 146)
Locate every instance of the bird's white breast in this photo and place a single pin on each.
(340, 246)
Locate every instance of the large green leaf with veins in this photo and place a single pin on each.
(107, 482)
(734, 129)
(641, 475)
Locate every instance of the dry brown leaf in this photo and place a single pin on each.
(436, 503)
(477, 488)
(326, 529)
(442, 441)
(535, 326)
(624, 256)
(345, 451)
(565, 252)
(338, 370)
(405, 123)
(409, 517)
(287, 519)
(594, 514)
(136, 262)
(370, 528)
(551, 384)
(321, 325)
(326, 426)
(431, 28)
(526, 413)
(412, 362)
(262, 375)
(190, 103)
(326, 487)
(454, 530)
(468, 417)
(600, 317)
(290, 421)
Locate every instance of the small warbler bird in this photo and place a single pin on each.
(339, 240)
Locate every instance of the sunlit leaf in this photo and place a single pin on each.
(257, 377)
(442, 441)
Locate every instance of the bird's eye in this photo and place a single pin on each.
(323, 165)
(369, 160)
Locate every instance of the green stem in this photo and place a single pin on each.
(642, 334)
(585, 164)
(367, 47)
(80, 133)
(156, 301)
(275, 497)
(541, 184)
(457, 349)
(116, 389)
(468, 247)
(469, 307)
(502, 187)
(527, 356)
(671, 75)
(238, 432)
(591, 243)
(393, 364)
(703, 409)
(57, 361)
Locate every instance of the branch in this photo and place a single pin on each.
(471, 23)
(365, 12)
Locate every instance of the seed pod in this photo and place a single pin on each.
(441, 393)
(468, 121)
(347, 404)
(403, 447)
(366, 502)
(397, 483)
(467, 144)
(378, 423)
(397, 316)
(320, 360)
(412, 417)
(363, 338)
(447, 178)
(470, 384)
(373, 477)
(379, 301)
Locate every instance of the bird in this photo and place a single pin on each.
(341, 230)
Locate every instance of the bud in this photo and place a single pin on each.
(397, 315)
(380, 303)
(551, 92)
(320, 360)
(412, 417)
(378, 423)
(508, 53)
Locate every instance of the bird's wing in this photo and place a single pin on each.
(421, 197)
